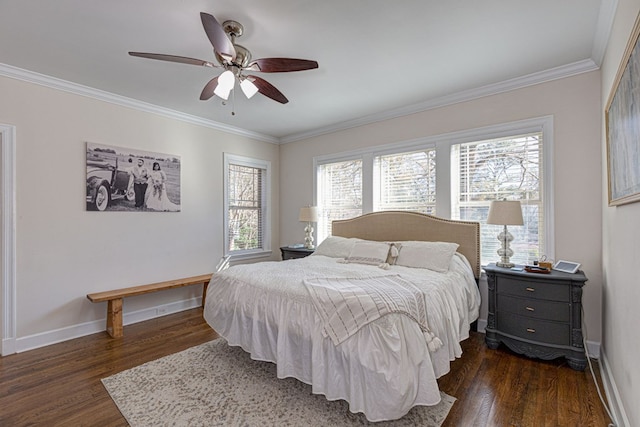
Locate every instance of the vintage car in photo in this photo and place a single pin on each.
(106, 183)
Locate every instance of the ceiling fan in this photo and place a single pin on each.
(236, 61)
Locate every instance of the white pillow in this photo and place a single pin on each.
(367, 252)
(335, 247)
(434, 256)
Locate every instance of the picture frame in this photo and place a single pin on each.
(622, 121)
(566, 266)
(121, 179)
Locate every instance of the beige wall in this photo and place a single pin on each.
(1, 250)
(575, 105)
(65, 252)
(621, 250)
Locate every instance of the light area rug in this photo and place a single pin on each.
(214, 384)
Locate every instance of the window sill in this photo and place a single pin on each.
(242, 256)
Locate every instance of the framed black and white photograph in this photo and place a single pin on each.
(623, 127)
(124, 179)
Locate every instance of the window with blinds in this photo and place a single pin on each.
(473, 168)
(405, 181)
(246, 185)
(339, 193)
(505, 168)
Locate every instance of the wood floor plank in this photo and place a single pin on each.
(59, 385)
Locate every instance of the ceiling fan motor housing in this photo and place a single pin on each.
(243, 57)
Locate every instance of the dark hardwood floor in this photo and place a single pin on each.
(501, 388)
(59, 385)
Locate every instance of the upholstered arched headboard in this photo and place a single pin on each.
(396, 226)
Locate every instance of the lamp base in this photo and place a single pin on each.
(308, 236)
(505, 251)
(505, 264)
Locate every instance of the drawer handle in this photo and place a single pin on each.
(530, 309)
(531, 330)
(531, 289)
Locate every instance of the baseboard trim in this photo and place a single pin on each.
(613, 395)
(482, 325)
(593, 349)
(8, 346)
(55, 336)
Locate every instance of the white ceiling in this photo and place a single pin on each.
(376, 58)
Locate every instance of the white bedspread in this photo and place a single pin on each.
(384, 369)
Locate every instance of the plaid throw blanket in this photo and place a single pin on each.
(347, 304)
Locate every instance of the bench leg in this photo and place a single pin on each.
(114, 318)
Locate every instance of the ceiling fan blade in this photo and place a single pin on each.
(173, 58)
(268, 90)
(218, 37)
(281, 65)
(207, 92)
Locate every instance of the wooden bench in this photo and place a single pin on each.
(114, 298)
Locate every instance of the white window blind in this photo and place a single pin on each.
(505, 168)
(246, 189)
(405, 181)
(339, 193)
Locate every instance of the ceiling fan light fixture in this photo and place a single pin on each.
(226, 81)
(222, 93)
(249, 88)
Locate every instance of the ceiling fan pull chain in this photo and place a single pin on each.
(233, 103)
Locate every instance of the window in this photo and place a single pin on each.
(340, 189)
(247, 221)
(405, 181)
(504, 168)
(472, 168)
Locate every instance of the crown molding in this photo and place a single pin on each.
(568, 70)
(561, 72)
(77, 89)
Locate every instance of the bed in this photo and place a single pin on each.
(390, 362)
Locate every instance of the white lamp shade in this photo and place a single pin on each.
(308, 214)
(222, 92)
(249, 88)
(226, 81)
(505, 212)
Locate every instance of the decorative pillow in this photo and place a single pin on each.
(394, 250)
(367, 252)
(335, 247)
(434, 256)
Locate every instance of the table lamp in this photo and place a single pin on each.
(505, 212)
(308, 214)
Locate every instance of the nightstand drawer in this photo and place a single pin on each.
(538, 309)
(533, 289)
(534, 329)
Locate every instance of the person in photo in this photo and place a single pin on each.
(157, 198)
(140, 182)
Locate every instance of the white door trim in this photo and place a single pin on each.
(8, 240)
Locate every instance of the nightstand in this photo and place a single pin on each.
(293, 253)
(538, 315)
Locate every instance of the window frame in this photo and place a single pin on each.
(265, 165)
(443, 144)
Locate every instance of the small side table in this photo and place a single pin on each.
(293, 253)
(538, 315)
